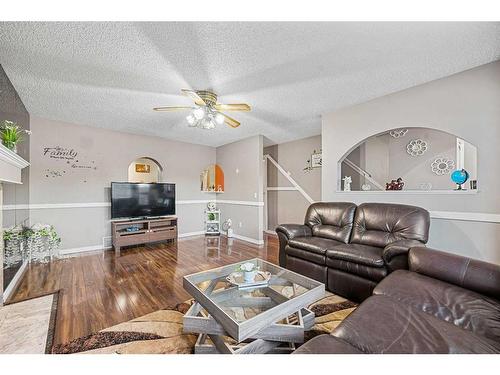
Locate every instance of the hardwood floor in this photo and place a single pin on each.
(99, 290)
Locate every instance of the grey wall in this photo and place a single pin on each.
(466, 105)
(13, 109)
(102, 157)
(243, 166)
(290, 206)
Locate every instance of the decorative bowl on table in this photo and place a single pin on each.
(260, 278)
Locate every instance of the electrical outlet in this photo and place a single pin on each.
(255, 195)
(240, 224)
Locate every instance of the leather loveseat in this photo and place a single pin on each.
(444, 303)
(351, 248)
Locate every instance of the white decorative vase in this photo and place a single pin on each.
(249, 276)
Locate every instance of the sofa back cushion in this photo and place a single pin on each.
(331, 220)
(379, 224)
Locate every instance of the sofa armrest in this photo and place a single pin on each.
(294, 230)
(398, 248)
(285, 233)
(468, 273)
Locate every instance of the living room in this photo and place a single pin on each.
(249, 187)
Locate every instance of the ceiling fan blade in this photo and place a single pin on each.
(194, 95)
(230, 121)
(232, 107)
(171, 109)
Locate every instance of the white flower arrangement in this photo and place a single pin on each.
(248, 267)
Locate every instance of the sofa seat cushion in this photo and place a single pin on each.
(327, 344)
(383, 324)
(462, 307)
(357, 253)
(306, 255)
(371, 273)
(313, 244)
(310, 248)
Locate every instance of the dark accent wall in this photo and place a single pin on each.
(13, 109)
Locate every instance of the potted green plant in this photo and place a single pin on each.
(12, 134)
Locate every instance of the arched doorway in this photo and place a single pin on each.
(145, 169)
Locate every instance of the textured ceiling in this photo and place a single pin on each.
(110, 75)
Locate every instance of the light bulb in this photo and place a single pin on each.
(199, 113)
(219, 118)
(191, 119)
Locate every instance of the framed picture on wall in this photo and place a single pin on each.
(316, 160)
(142, 168)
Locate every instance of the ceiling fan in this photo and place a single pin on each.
(207, 112)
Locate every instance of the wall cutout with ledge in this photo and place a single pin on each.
(212, 179)
(423, 158)
(145, 170)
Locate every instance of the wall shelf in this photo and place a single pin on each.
(403, 192)
(11, 165)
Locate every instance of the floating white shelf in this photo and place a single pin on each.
(212, 191)
(11, 165)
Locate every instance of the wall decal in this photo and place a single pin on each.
(59, 152)
(398, 133)
(72, 158)
(441, 166)
(416, 147)
(54, 173)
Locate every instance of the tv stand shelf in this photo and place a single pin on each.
(143, 231)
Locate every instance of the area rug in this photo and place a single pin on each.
(27, 326)
(161, 331)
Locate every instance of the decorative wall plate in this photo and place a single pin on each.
(442, 165)
(416, 147)
(398, 133)
(366, 187)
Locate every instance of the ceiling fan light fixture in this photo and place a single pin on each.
(191, 119)
(219, 118)
(199, 113)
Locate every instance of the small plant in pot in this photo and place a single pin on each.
(12, 134)
(249, 271)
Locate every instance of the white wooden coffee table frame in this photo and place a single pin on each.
(261, 333)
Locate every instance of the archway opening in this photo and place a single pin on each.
(413, 158)
(145, 170)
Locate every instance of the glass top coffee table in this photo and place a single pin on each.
(259, 318)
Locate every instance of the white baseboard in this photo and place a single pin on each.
(247, 239)
(83, 249)
(270, 232)
(15, 281)
(191, 234)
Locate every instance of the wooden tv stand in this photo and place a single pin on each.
(146, 231)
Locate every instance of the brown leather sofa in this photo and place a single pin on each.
(444, 303)
(351, 248)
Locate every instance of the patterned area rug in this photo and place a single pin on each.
(27, 326)
(161, 331)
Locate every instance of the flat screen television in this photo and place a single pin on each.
(130, 199)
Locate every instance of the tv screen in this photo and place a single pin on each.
(142, 200)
